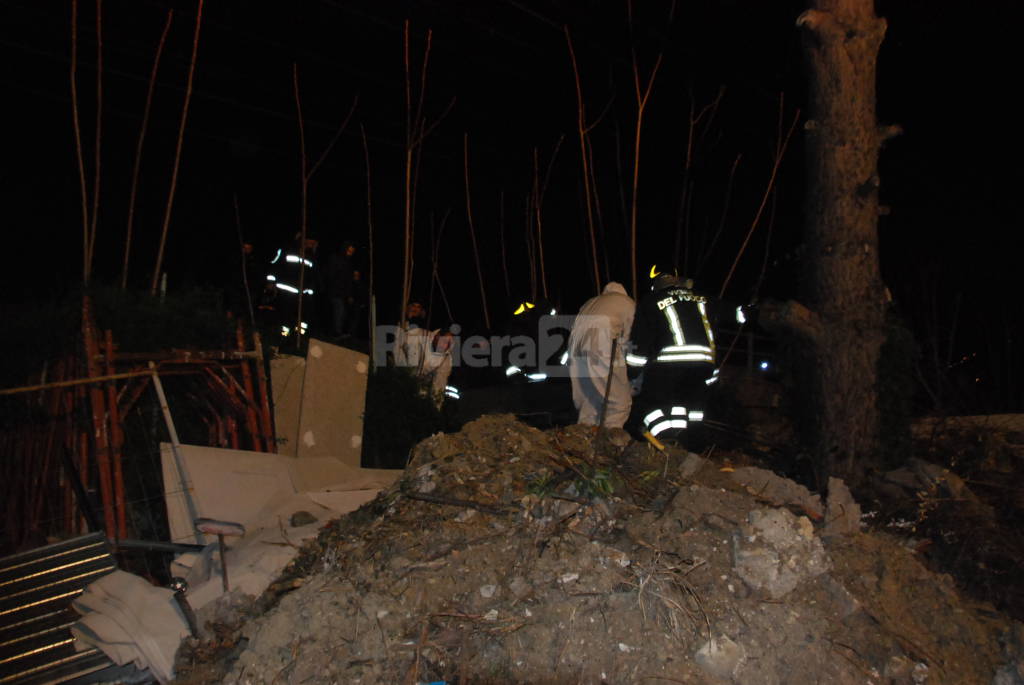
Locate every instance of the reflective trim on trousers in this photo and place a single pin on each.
(653, 416)
(664, 425)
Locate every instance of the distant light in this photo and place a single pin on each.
(276, 257)
(288, 288)
(308, 291)
(295, 259)
(271, 277)
(764, 366)
(513, 370)
(537, 376)
(553, 311)
(565, 358)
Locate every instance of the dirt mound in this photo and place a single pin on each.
(511, 555)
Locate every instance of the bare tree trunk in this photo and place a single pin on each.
(842, 322)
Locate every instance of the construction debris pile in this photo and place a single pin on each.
(506, 554)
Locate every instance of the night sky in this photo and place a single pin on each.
(947, 75)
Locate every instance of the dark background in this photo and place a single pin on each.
(947, 75)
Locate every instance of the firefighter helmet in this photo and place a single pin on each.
(661, 279)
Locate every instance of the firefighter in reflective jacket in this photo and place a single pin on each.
(289, 269)
(673, 344)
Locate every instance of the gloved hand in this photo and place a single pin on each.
(636, 384)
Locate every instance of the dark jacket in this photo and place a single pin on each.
(673, 325)
(339, 276)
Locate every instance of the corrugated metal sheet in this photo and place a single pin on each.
(36, 591)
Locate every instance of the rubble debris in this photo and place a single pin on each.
(131, 621)
(580, 561)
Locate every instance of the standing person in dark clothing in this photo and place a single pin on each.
(357, 308)
(340, 270)
(290, 273)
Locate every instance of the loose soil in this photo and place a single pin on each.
(510, 555)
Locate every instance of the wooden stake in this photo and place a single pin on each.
(642, 95)
(99, 128)
(138, 149)
(472, 232)
(78, 142)
(369, 214)
(177, 153)
(582, 130)
(304, 207)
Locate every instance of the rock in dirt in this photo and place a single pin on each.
(302, 518)
(721, 657)
(775, 551)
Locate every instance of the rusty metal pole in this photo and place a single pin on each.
(261, 381)
(250, 413)
(179, 463)
(97, 403)
(67, 405)
(116, 438)
(83, 468)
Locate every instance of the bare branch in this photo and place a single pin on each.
(334, 139)
(764, 200)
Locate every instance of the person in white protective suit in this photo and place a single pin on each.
(426, 353)
(596, 346)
